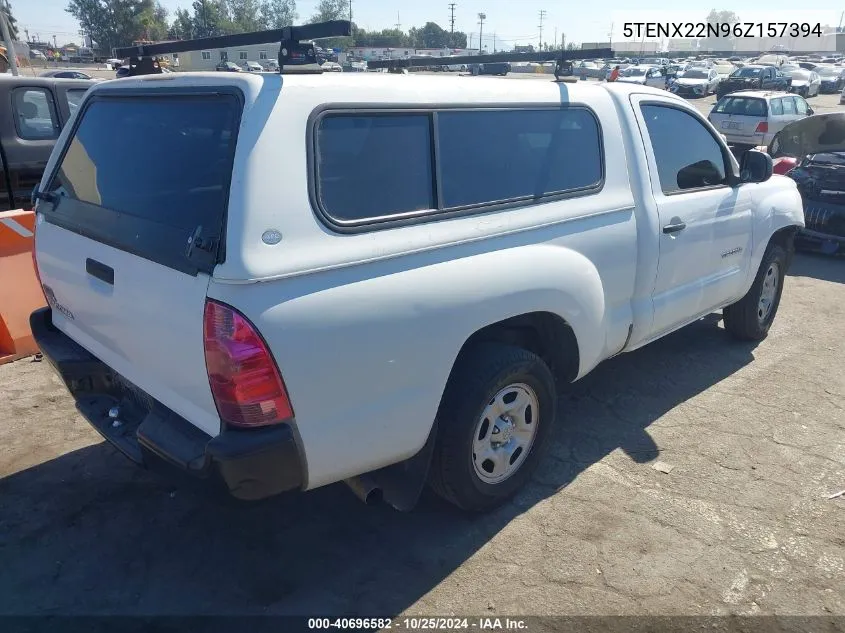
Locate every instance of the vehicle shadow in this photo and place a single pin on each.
(89, 533)
(818, 266)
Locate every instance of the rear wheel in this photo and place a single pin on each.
(751, 317)
(492, 426)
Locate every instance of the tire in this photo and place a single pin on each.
(747, 319)
(487, 373)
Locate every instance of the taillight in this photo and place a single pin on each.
(762, 127)
(247, 387)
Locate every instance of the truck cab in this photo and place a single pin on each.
(38, 107)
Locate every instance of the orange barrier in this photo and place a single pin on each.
(20, 291)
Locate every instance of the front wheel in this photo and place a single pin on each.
(493, 424)
(751, 317)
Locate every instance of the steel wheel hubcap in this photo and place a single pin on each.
(768, 292)
(505, 432)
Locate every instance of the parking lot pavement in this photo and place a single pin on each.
(742, 523)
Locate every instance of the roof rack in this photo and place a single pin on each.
(296, 50)
(562, 59)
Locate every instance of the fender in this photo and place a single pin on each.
(392, 330)
(777, 205)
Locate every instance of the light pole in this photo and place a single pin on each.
(481, 18)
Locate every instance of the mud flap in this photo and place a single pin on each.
(402, 484)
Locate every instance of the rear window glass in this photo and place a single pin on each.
(163, 159)
(374, 165)
(74, 98)
(776, 106)
(490, 156)
(746, 106)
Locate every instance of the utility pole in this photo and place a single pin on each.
(452, 6)
(481, 18)
(350, 10)
(398, 24)
(54, 42)
(610, 36)
(563, 41)
(10, 45)
(494, 41)
(542, 17)
(555, 40)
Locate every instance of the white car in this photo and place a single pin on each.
(643, 75)
(368, 309)
(751, 118)
(332, 67)
(806, 83)
(696, 82)
(252, 67)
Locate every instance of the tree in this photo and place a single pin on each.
(331, 10)
(572, 46)
(276, 14)
(210, 18)
(154, 21)
(244, 15)
(718, 17)
(13, 23)
(182, 27)
(112, 23)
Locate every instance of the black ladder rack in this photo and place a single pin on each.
(296, 51)
(562, 59)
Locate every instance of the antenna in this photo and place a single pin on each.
(296, 50)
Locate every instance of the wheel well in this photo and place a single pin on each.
(785, 237)
(543, 333)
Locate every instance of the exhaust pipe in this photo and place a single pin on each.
(365, 489)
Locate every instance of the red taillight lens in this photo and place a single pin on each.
(762, 127)
(247, 387)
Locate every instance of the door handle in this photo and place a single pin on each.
(100, 271)
(674, 228)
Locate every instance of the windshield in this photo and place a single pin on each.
(632, 72)
(803, 75)
(746, 106)
(695, 73)
(747, 72)
(828, 158)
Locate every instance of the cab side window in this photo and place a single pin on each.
(696, 163)
(35, 114)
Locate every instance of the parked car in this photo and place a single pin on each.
(816, 147)
(754, 78)
(643, 75)
(403, 320)
(228, 67)
(37, 109)
(751, 118)
(491, 68)
(832, 78)
(696, 82)
(724, 70)
(65, 74)
(806, 83)
(252, 67)
(331, 67)
(271, 65)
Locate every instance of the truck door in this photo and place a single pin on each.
(705, 223)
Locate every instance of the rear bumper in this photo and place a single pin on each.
(250, 464)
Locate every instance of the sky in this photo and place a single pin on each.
(509, 21)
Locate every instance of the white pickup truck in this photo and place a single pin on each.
(283, 282)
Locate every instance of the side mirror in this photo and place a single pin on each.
(756, 166)
(810, 111)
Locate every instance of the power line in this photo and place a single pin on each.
(542, 17)
(452, 19)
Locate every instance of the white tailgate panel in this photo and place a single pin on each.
(147, 326)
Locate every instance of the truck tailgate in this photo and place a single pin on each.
(131, 231)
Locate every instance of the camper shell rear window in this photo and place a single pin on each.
(150, 174)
